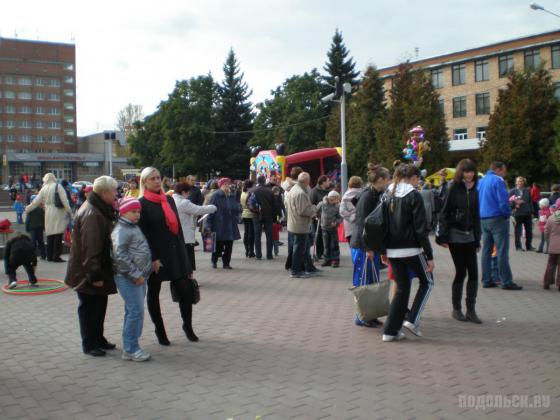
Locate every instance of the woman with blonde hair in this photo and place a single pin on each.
(161, 226)
(57, 214)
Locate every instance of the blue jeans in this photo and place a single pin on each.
(495, 231)
(299, 250)
(133, 296)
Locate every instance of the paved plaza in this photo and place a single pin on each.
(272, 347)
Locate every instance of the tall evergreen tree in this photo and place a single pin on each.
(521, 129)
(338, 63)
(235, 115)
(413, 101)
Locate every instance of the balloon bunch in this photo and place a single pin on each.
(416, 146)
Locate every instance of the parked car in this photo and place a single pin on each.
(79, 184)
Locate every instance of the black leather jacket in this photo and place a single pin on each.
(407, 221)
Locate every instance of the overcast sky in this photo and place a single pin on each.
(134, 51)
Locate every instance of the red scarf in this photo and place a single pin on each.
(170, 216)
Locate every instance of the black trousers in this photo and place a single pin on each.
(249, 237)
(190, 254)
(39, 241)
(180, 293)
(223, 249)
(11, 272)
(54, 247)
(91, 312)
(464, 258)
(260, 226)
(399, 304)
(521, 221)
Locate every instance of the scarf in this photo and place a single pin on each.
(170, 216)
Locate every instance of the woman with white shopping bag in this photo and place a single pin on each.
(407, 247)
(366, 270)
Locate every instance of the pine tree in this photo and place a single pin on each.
(338, 64)
(413, 101)
(521, 130)
(366, 113)
(235, 114)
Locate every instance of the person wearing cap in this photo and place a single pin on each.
(35, 225)
(224, 222)
(90, 268)
(329, 209)
(132, 262)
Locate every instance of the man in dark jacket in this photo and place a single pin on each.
(195, 195)
(35, 225)
(317, 194)
(268, 212)
(90, 268)
(19, 251)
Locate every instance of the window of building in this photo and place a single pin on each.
(10, 124)
(10, 109)
(25, 110)
(68, 132)
(481, 132)
(54, 111)
(460, 107)
(437, 78)
(460, 134)
(68, 105)
(40, 96)
(40, 82)
(10, 80)
(25, 124)
(54, 82)
(39, 124)
(482, 103)
(68, 92)
(68, 79)
(481, 72)
(9, 94)
(68, 66)
(68, 118)
(26, 139)
(25, 95)
(54, 97)
(458, 73)
(532, 59)
(555, 56)
(505, 64)
(10, 138)
(441, 104)
(556, 90)
(39, 110)
(25, 81)
(40, 139)
(53, 125)
(55, 139)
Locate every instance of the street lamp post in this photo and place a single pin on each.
(538, 7)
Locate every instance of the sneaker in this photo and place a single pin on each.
(138, 356)
(400, 336)
(489, 285)
(326, 263)
(414, 329)
(299, 275)
(12, 285)
(512, 286)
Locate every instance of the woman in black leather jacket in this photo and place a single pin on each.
(408, 248)
(459, 230)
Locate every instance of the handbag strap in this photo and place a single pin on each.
(363, 277)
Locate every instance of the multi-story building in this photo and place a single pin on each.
(112, 146)
(469, 81)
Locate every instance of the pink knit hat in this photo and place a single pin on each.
(88, 188)
(128, 204)
(223, 181)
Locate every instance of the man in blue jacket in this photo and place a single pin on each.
(494, 214)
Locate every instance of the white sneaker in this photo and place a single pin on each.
(412, 328)
(12, 285)
(400, 336)
(139, 356)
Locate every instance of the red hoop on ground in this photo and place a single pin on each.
(44, 287)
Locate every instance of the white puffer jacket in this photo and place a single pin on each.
(188, 213)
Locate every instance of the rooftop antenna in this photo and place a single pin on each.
(417, 52)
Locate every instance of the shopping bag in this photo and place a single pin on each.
(209, 241)
(372, 300)
(341, 233)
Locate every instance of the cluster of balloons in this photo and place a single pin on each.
(416, 146)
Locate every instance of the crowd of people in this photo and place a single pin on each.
(134, 240)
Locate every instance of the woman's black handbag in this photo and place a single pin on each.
(57, 200)
(196, 292)
(187, 288)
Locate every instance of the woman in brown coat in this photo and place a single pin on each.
(552, 233)
(90, 269)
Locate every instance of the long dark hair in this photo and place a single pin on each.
(465, 165)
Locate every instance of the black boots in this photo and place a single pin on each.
(162, 336)
(472, 316)
(458, 315)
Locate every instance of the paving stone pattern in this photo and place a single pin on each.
(283, 348)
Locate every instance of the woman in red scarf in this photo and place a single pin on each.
(160, 224)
